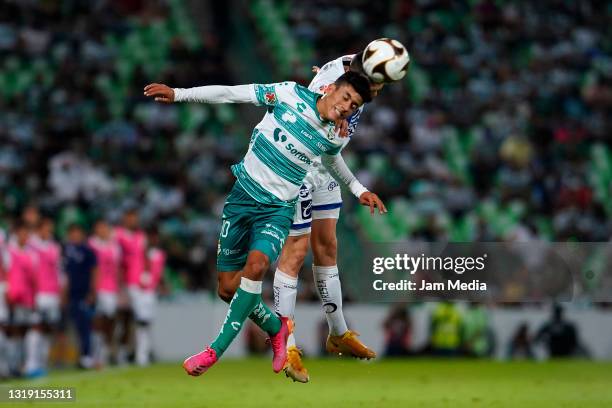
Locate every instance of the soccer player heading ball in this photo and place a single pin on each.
(298, 126)
(318, 210)
(341, 340)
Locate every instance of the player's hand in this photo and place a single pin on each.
(161, 92)
(342, 127)
(371, 200)
(315, 69)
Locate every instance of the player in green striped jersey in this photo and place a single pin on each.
(299, 126)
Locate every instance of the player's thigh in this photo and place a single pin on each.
(48, 308)
(4, 310)
(236, 223)
(106, 304)
(326, 198)
(270, 230)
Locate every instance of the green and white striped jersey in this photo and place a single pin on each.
(285, 143)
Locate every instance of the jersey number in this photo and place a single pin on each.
(225, 228)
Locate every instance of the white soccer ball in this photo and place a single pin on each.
(385, 60)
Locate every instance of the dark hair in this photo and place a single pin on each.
(75, 226)
(356, 64)
(359, 82)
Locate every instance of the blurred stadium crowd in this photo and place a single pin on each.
(498, 133)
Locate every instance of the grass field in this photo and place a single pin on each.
(344, 383)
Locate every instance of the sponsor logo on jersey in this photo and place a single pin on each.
(303, 191)
(353, 121)
(297, 154)
(306, 207)
(289, 117)
(332, 185)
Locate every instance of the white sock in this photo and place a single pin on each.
(122, 355)
(143, 345)
(45, 346)
(13, 354)
(330, 292)
(32, 350)
(97, 343)
(4, 368)
(285, 293)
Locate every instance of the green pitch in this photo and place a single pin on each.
(344, 383)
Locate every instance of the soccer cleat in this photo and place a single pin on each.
(198, 363)
(294, 368)
(348, 343)
(279, 344)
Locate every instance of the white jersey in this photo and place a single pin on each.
(285, 144)
(327, 75)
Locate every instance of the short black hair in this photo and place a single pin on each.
(356, 64)
(359, 82)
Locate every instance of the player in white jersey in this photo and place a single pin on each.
(298, 126)
(314, 223)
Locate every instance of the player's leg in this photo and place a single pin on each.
(104, 326)
(32, 344)
(286, 278)
(4, 319)
(255, 232)
(143, 314)
(326, 211)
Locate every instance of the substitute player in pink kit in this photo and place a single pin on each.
(133, 243)
(108, 255)
(144, 308)
(4, 312)
(47, 313)
(21, 269)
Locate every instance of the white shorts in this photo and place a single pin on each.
(106, 304)
(46, 308)
(320, 198)
(142, 303)
(4, 311)
(22, 316)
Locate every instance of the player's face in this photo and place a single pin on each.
(102, 230)
(341, 102)
(22, 234)
(46, 229)
(76, 235)
(131, 220)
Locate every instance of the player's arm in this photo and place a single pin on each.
(252, 93)
(341, 172)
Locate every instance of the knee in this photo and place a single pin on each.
(324, 249)
(256, 267)
(225, 292)
(292, 257)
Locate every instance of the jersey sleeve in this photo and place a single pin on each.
(271, 94)
(216, 94)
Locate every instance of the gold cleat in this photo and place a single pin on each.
(349, 344)
(294, 368)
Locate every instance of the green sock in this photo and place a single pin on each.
(265, 318)
(242, 304)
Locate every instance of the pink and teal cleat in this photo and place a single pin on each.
(198, 363)
(279, 344)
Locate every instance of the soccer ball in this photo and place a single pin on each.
(385, 60)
